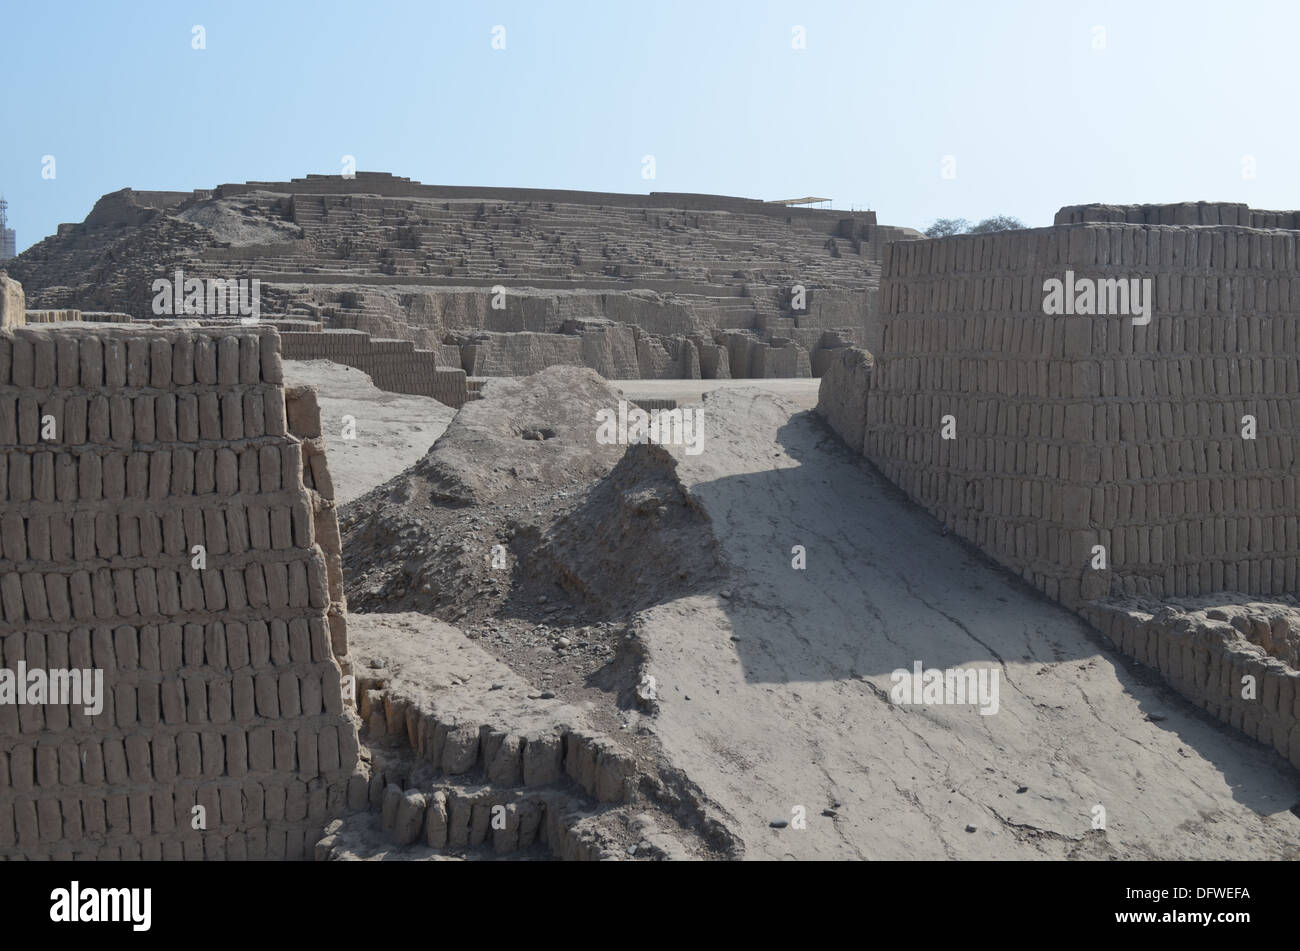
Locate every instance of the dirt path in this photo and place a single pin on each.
(802, 392)
(778, 697)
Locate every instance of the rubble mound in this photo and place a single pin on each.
(637, 539)
(517, 500)
(532, 433)
(508, 465)
(538, 569)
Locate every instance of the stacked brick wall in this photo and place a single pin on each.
(666, 358)
(1208, 651)
(13, 301)
(382, 183)
(75, 316)
(714, 360)
(1168, 447)
(1187, 213)
(520, 354)
(448, 355)
(1077, 431)
(393, 365)
(751, 358)
(616, 352)
(303, 413)
(842, 395)
(221, 685)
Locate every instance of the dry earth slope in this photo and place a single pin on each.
(773, 683)
(775, 693)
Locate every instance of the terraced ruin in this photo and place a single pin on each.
(402, 279)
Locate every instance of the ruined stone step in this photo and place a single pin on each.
(464, 821)
(503, 755)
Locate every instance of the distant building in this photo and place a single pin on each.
(8, 240)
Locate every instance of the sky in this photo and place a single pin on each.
(919, 109)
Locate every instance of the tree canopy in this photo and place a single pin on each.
(946, 226)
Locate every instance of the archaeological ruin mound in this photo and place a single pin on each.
(421, 286)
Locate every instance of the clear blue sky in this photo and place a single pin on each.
(1034, 116)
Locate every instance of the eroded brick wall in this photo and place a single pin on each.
(393, 365)
(1206, 653)
(222, 687)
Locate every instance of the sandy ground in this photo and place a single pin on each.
(802, 392)
(778, 697)
(774, 693)
(392, 430)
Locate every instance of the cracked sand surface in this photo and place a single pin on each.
(796, 712)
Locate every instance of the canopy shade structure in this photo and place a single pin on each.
(800, 201)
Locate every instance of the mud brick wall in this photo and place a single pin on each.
(781, 358)
(520, 354)
(666, 358)
(609, 349)
(842, 395)
(302, 411)
(1185, 213)
(13, 312)
(393, 365)
(738, 345)
(221, 685)
(616, 352)
(714, 360)
(751, 358)
(825, 349)
(1204, 658)
(448, 355)
(1075, 431)
(75, 316)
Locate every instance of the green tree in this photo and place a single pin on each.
(946, 226)
(997, 223)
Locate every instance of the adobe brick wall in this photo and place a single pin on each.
(302, 409)
(222, 685)
(13, 311)
(1186, 213)
(382, 183)
(1205, 649)
(519, 354)
(1074, 431)
(615, 351)
(393, 365)
(842, 395)
(75, 316)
